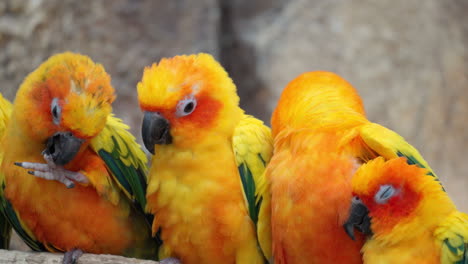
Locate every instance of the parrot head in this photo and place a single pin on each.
(64, 103)
(184, 99)
(317, 99)
(389, 194)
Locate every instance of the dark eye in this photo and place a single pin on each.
(56, 111)
(186, 106)
(189, 108)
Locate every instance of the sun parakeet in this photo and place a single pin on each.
(5, 227)
(321, 136)
(205, 183)
(407, 216)
(72, 176)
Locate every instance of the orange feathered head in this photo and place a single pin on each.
(68, 92)
(184, 99)
(63, 103)
(317, 100)
(394, 193)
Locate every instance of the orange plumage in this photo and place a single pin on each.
(70, 93)
(310, 187)
(203, 140)
(321, 136)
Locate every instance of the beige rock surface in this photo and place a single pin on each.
(409, 61)
(123, 35)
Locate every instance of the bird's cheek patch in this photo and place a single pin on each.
(205, 113)
(395, 210)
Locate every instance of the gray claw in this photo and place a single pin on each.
(72, 256)
(170, 261)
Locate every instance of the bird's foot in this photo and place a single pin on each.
(72, 256)
(170, 261)
(50, 171)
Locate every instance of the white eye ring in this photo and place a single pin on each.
(56, 111)
(384, 194)
(186, 106)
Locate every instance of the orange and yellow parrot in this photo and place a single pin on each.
(321, 136)
(407, 215)
(205, 184)
(89, 195)
(5, 227)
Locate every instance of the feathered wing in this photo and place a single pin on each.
(453, 236)
(388, 144)
(252, 145)
(5, 227)
(124, 158)
(126, 163)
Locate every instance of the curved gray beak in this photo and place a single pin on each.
(62, 147)
(155, 130)
(358, 218)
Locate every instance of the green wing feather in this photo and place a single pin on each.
(453, 236)
(5, 231)
(252, 145)
(389, 145)
(124, 158)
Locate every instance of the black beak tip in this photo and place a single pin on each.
(349, 229)
(358, 219)
(150, 148)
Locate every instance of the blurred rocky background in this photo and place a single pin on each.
(408, 59)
